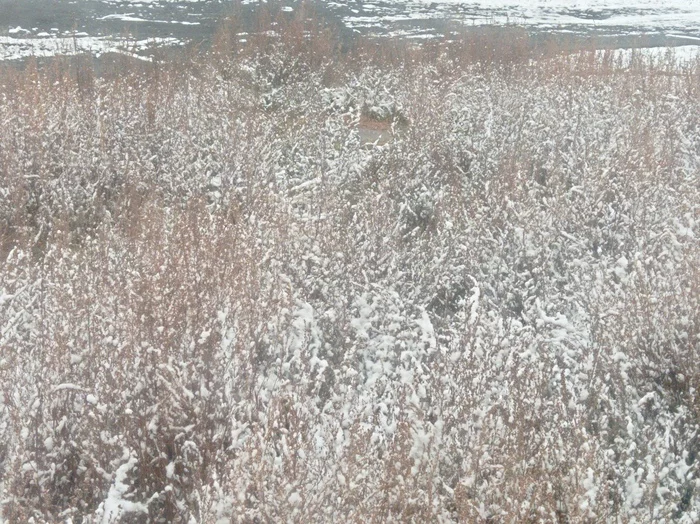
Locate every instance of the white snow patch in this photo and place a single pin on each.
(116, 505)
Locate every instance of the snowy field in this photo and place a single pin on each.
(42, 27)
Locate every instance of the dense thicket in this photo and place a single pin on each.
(219, 302)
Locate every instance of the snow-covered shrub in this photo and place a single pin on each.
(218, 305)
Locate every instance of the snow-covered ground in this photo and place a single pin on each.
(44, 28)
(670, 23)
(41, 46)
(681, 54)
(620, 16)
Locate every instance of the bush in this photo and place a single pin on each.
(219, 304)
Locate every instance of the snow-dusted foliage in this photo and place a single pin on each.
(219, 303)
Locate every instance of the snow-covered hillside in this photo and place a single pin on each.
(219, 303)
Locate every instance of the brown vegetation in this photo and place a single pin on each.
(217, 305)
